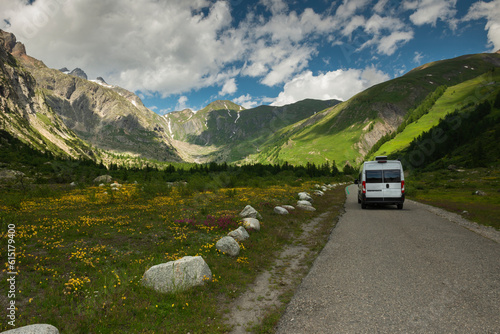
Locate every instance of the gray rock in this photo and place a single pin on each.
(177, 275)
(303, 196)
(251, 223)
(34, 329)
(228, 246)
(319, 193)
(306, 207)
(479, 193)
(103, 178)
(250, 212)
(281, 210)
(10, 175)
(304, 203)
(288, 207)
(240, 234)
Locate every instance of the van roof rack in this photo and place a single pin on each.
(381, 158)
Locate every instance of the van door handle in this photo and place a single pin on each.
(387, 185)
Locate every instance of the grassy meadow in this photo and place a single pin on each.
(81, 252)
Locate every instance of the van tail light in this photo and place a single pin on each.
(364, 187)
(402, 187)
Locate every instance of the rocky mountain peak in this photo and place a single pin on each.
(223, 104)
(100, 79)
(10, 43)
(78, 72)
(8, 40)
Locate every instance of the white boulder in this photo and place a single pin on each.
(250, 212)
(240, 234)
(281, 210)
(177, 275)
(288, 207)
(251, 223)
(228, 246)
(103, 179)
(34, 329)
(303, 196)
(319, 193)
(308, 203)
(306, 207)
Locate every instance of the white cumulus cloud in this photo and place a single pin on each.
(339, 84)
(181, 103)
(246, 101)
(157, 46)
(230, 87)
(491, 12)
(429, 11)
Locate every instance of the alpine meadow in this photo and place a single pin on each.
(97, 191)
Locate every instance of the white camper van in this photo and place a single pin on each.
(381, 182)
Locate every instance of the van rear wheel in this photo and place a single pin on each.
(400, 206)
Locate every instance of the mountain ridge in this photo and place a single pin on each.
(111, 119)
(348, 130)
(96, 120)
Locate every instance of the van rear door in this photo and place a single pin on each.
(374, 185)
(392, 183)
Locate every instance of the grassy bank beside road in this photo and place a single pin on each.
(473, 193)
(81, 253)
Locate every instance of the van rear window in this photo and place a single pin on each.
(392, 176)
(373, 176)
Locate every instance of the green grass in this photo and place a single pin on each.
(455, 192)
(44, 119)
(321, 149)
(455, 97)
(81, 253)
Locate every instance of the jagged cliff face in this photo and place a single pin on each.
(107, 117)
(23, 108)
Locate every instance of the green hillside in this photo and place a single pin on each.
(346, 132)
(456, 97)
(466, 137)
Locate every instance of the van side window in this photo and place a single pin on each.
(392, 176)
(373, 176)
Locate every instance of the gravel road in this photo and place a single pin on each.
(399, 271)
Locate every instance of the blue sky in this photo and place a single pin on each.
(178, 54)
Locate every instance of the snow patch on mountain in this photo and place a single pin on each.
(102, 83)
